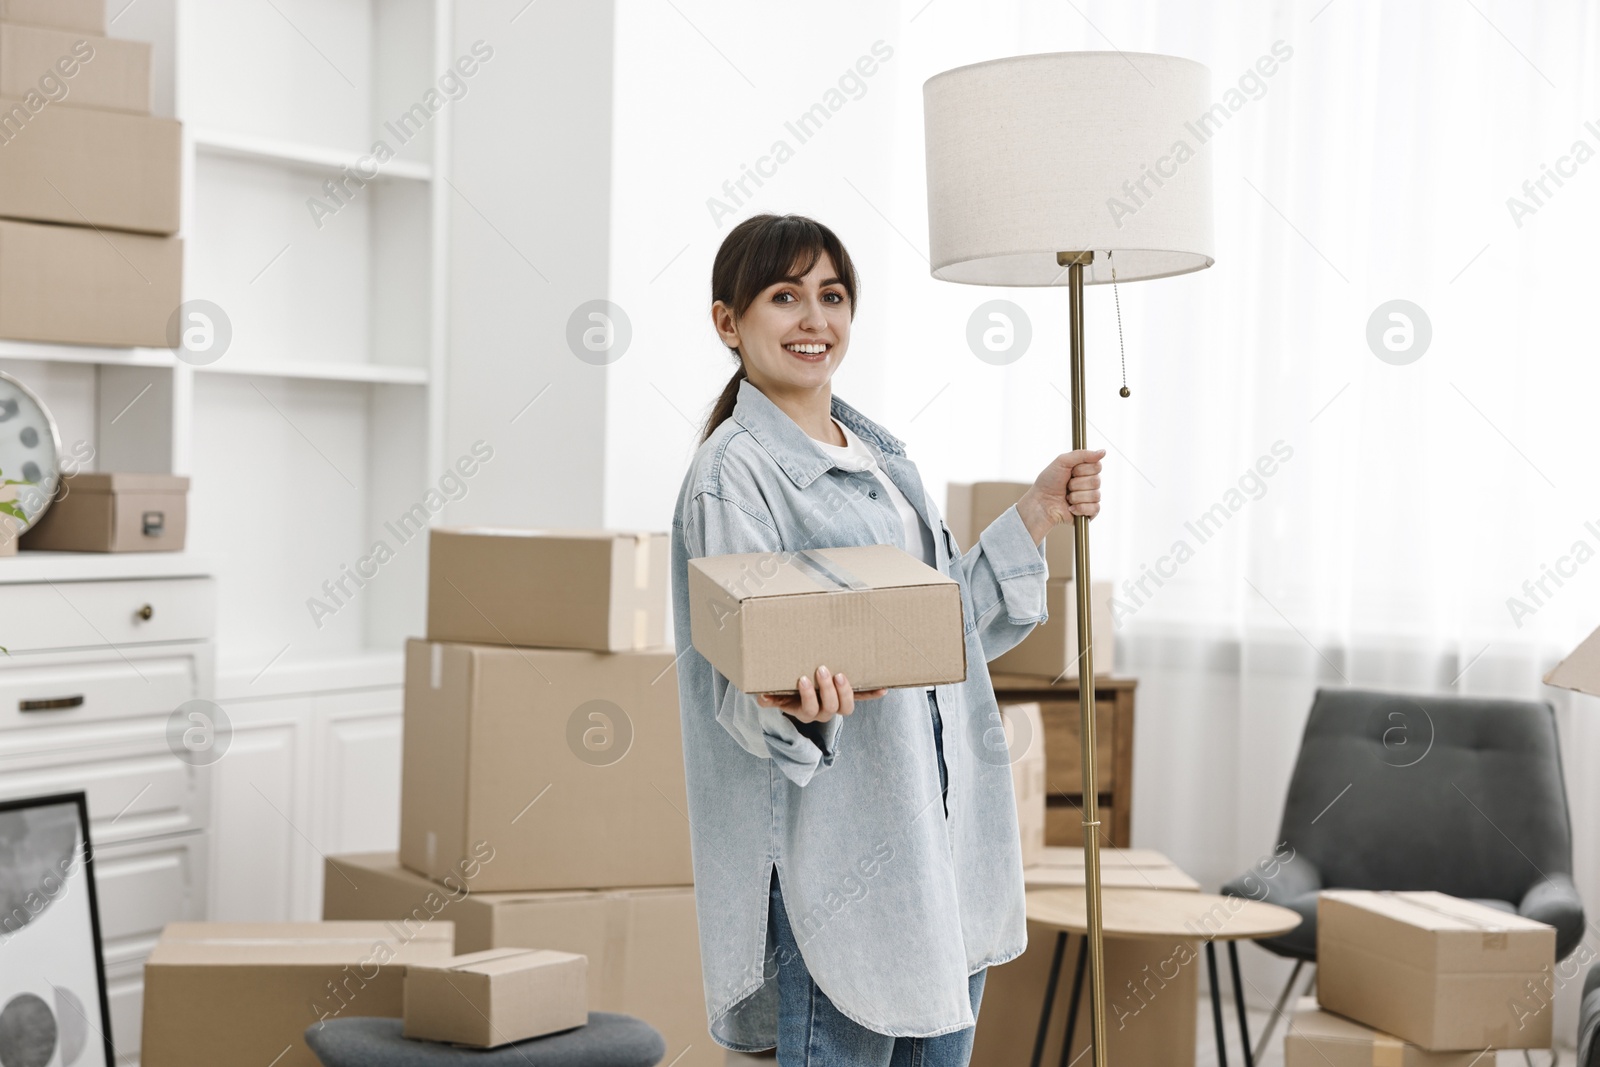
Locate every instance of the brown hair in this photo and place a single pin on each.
(761, 251)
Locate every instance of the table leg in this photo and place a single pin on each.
(1238, 1002)
(1077, 995)
(1049, 998)
(1216, 1003)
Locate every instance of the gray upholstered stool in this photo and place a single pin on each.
(609, 1040)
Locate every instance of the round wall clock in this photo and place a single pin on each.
(30, 450)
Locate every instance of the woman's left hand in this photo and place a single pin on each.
(1069, 486)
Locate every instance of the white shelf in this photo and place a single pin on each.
(28, 566)
(293, 153)
(376, 373)
(57, 353)
(372, 669)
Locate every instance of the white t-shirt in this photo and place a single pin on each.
(855, 455)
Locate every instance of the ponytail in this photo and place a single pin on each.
(723, 409)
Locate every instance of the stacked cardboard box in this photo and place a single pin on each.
(263, 984)
(1024, 727)
(89, 182)
(1430, 973)
(543, 800)
(1051, 650)
(1318, 1038)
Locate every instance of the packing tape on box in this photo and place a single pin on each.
(1388, 1051)
(1495, 936)
(641, 561)
(285, 940)
(618, 912)
(827, 571)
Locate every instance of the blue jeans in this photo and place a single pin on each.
(813, 1033)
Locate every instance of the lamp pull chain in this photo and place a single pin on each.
(1118, 299)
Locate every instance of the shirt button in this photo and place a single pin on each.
(873, 494)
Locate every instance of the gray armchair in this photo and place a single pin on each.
(1394, 791)
(1589, 1020)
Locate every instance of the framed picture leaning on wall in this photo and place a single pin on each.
(52, 974)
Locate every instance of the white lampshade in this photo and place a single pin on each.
(1069, 151)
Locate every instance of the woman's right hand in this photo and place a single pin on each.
(819, 701)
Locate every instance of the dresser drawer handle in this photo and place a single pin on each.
(51, 703)
(146, 612)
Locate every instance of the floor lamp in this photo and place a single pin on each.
(1071, 168)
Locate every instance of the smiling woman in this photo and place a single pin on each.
(920, 789)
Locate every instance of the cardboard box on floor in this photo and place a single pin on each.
(1580, 671)
(873, 613)
(77, 70)
(85, 167)
(219, 993)
(1437, 971)
(1024, 728)
(604, 590)
(77, 285)
(114, 512)
(1051, 650)
(642, 944)
(1152, 986)
(497, 996)
(84, 16)
(1318, 1038)
(569, 764)
(971, 506)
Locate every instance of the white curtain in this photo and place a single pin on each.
(1407, 505)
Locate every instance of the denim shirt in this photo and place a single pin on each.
(893, 904)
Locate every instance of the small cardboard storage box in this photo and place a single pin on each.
(85, 16)
(1025, 735)
(79, 285)
(642, 944)
(86, 167)
(219, 993)
(95, 71)
(604, 590)
(1432, 969)
(1051, 650)
(970, 507)
(1322, 1039)
(496, 996)
(873, 613)
(568, 763)
(114, 512)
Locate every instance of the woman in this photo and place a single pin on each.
(852, 884)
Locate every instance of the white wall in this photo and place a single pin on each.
(531, 167)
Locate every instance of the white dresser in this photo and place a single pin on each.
(97, 666)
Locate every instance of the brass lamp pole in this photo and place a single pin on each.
(1075, 262)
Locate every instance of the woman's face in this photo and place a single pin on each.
(795, 333)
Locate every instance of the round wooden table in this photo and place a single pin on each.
(1147, 914)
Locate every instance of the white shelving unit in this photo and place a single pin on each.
(320, 426)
